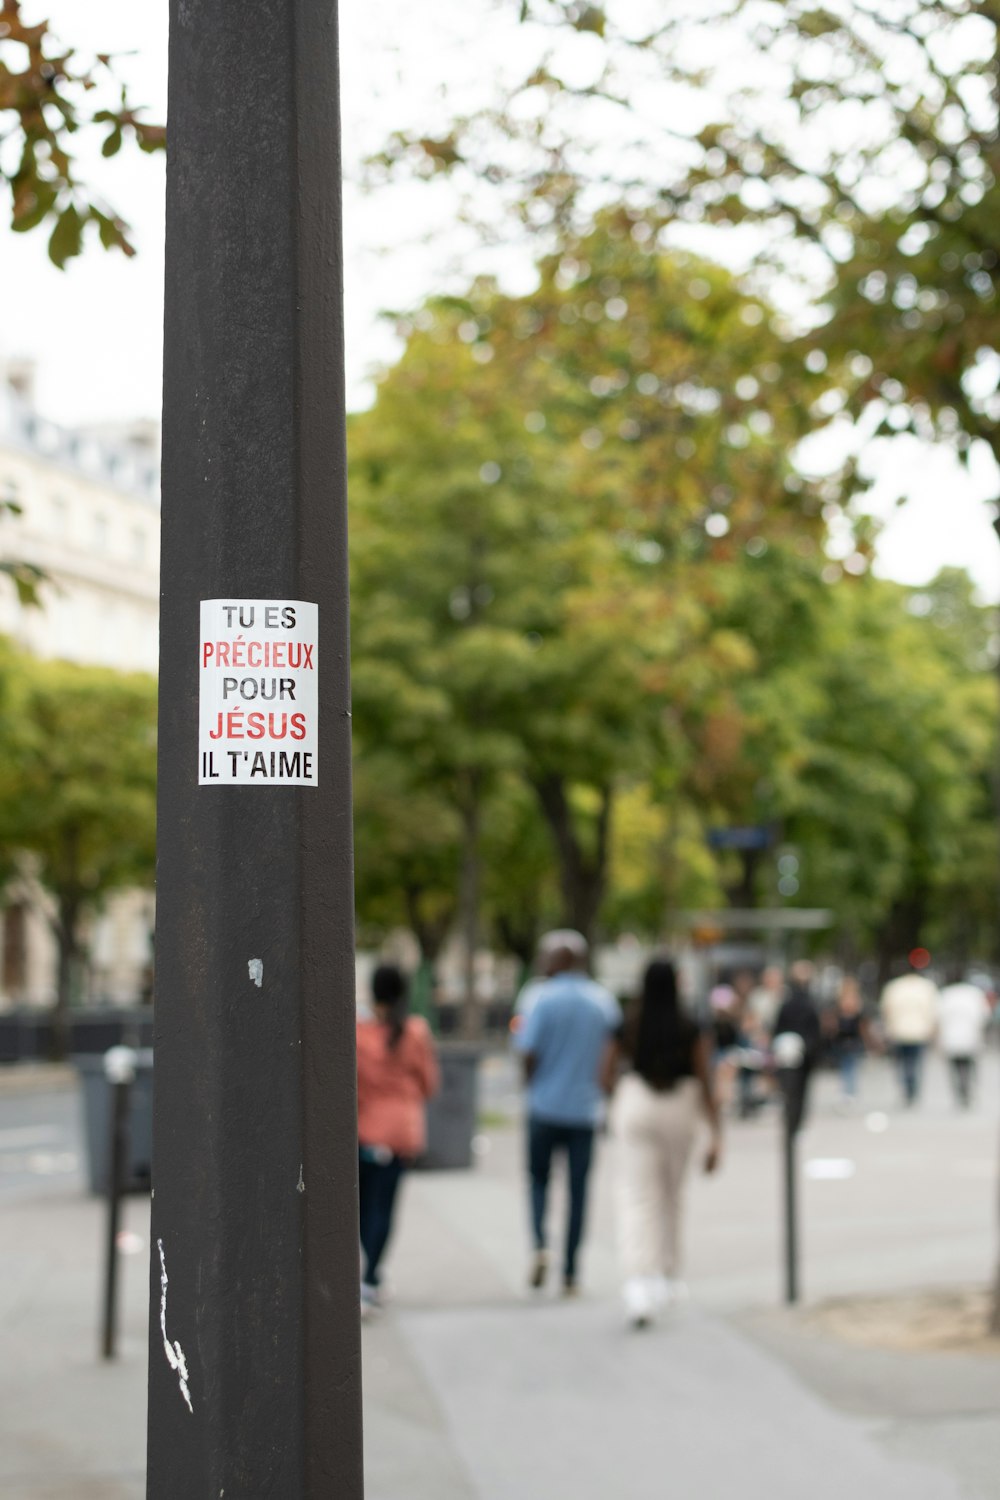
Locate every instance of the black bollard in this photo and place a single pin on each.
(789, 1051)
(119, 1069)
(791, 1211)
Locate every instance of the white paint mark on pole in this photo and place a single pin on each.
(256, 970)
(301, 1185)
(173, 1351)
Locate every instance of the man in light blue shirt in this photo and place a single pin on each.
(563, 1040)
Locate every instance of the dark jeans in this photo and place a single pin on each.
(909, 1056)
(963, 1077)
(545, 1138)
(377, 1185)
(849, 1065)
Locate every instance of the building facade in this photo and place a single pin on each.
(88, 517)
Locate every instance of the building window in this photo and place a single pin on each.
(138, 545)
(60, 517)
(101, 533)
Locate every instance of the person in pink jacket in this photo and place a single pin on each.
(397, 1074)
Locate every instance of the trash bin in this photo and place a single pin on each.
(96, 1094)
(452, 1113)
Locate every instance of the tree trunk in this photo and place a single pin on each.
(901, 932)
(668, 867)
(582, 877)
(470, 881)
(64, 928)
(519, 937)
(743, 895)
(430, 934)
(422, 992)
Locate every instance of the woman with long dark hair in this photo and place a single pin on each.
(666, 1089)
(397, 1074)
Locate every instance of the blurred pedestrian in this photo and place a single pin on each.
(798, 1016)
(724, 1019)
(562, 1041)
(850, 1037)
(397, 1074)
(763, 1003)
(747, 1055)
(963, 1016)
(909, 1007)
(657, 1106)
(540, 973)
(723, 1009)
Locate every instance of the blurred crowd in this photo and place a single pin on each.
(656, 1071)
(913, 1012)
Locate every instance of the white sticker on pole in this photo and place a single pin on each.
(258, 704)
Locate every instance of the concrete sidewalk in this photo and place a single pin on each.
(474, 1390)
(560, 1402)
(477, 1389)
(71, 1426)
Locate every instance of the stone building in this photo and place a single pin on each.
(89, 517)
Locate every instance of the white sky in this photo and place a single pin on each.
(95, 329)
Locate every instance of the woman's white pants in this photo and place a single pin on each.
(655, 1133)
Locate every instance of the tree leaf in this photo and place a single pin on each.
(67, 237)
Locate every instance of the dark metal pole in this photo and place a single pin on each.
(254, 1383)
(793, 1079)
(791, 1211)
(120, 1071)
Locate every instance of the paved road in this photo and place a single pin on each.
(40, 1143)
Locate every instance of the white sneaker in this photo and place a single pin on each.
(659, 1287)
(640, 1302)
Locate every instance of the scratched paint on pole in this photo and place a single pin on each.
(258, 704)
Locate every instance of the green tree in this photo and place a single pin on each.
(546, 496)
(857, 145)
(869, 742)
(666, 392)
(661, 863)
(77, 800)
(47, 95)
(862, 143)
(434, 675)
(520, 886)
(408, 850)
